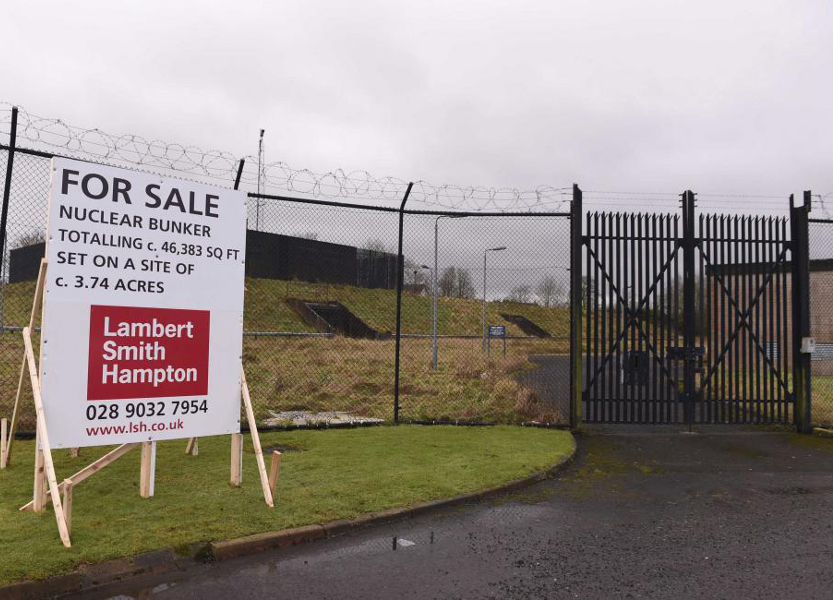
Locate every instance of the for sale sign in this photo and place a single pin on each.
(143, 313)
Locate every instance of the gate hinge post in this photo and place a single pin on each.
(577, 241)
(802, 376)
(688, 302)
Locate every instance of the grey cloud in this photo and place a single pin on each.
(715, 96)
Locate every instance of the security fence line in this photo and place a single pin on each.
(324, 349)
(362, 314)
(465, 386)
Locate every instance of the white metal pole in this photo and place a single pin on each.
(436, 291)
(485, 252)
(259, 171)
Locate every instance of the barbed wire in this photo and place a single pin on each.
(820, 200)
(276, 178)
(279, 178)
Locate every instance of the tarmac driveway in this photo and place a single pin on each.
(642, 512)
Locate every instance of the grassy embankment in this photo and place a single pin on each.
(357, 375)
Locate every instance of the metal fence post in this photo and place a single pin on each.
(239, 173)
(5, 212)
(688, 305)
(802, 378)
(400, 272)
(575, 309)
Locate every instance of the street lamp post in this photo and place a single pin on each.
(436, 284)
(425, 268)
(259, 172)
(485, 252)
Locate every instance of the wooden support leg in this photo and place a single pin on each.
(43, 439)
(236, 459)
(147, 472)
(74, 452)
(4, 427)
(250, 417)
(274, 469)
(94, 467)
(39, 493)
(192, 447)
(67, 506)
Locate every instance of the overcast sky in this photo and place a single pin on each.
(718, 96)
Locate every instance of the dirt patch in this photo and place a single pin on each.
(282, 448)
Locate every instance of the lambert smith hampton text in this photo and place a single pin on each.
(147, 351)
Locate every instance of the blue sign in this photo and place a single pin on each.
(498, 331)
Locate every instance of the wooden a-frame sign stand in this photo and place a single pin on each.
(45, 477)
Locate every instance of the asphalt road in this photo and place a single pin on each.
(726, 513)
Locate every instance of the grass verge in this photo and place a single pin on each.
(325, 475)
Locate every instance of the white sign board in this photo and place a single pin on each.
(143, 313)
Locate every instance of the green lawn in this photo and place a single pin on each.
(325, 475)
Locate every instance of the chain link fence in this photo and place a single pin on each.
(320, 326)
(320, 310)
(500, 350)
(821, 320)
(25, 235)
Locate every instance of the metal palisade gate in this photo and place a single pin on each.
(692, 319)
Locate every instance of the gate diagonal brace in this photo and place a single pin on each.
(744, 320)
(632, 315)
(744, 316)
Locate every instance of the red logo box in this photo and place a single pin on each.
(147, 352)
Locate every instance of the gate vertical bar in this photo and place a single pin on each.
(674, 291)
(759, 406)
(575, 309)
(735, 365)
(605, 399)
(780, 301)
(588, 340)
(617, 276)
(743, 279)
(630, 277)
(801, 311)
(400, 272)
(640, 319)
(723, 259)
(702, 313)
(770, 320)
(613, 303)
(593, 309)
(654, 266)
(663, 319)
(688, 305)
(789, 397)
